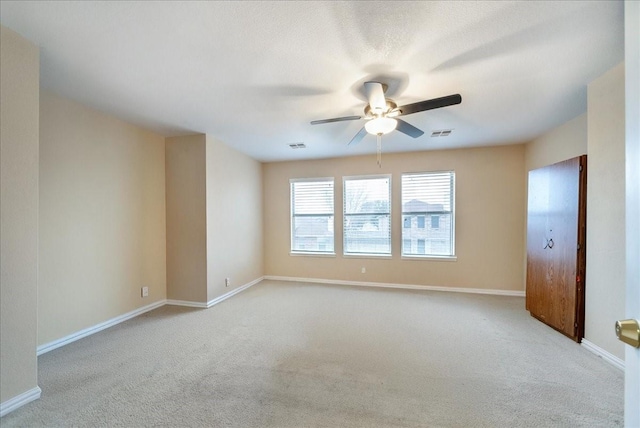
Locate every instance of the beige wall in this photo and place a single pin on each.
(186, 218)
(567, 141)
(19, 94)
(214, 218)
(490, 212)
(234, 218)
(102, 217)
(605, 286)
(600, 134)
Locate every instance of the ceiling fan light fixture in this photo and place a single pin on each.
(381, 125)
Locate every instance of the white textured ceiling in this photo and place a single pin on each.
(254, 74)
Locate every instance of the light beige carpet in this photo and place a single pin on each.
(307, 355)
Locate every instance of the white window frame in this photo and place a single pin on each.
(292, 216)
(344, 217)
(448, 257)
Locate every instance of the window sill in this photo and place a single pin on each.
(311, 254)
(367, 256)
(432, 258)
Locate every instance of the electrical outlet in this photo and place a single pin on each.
(364, 269)
(227, 282)
(145, 291)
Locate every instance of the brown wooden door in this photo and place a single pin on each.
(556, 245)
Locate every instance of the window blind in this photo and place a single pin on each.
(312, 216)
(367, 215)
(429, 196)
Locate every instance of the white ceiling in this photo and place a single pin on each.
(254, 74)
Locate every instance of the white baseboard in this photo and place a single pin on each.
(605, 355)
(187, 303)
(42, 349)
(20, 400)
(232, 292)
(401, 286)
(96, 328)
(117, 320)
(203, 305)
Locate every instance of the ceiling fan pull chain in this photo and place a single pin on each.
(379, 151)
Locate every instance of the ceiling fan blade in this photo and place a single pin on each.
(358, 137)
(409, 129)
(375, 95)
(336, 119)
(430, 104)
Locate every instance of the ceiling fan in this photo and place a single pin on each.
(382, 114)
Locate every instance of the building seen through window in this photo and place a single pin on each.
(427, 214)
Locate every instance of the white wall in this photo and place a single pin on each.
(605, 283)
(102, 218)
(19, 116)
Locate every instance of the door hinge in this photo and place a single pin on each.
(580, 168)
(578, 247)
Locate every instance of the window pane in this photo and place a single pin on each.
(367, 216)
(312, 217)
(437, 241)
(312, 233)
(427, 192)
(312, 197)
(428, 197)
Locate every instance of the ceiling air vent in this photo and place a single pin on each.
(297, 146)
(441, 133)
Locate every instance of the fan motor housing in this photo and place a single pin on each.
(391, 105)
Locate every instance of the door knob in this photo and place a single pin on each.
(628, 331)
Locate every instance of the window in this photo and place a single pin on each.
(428, 196)
(312, 217)
(367, 215)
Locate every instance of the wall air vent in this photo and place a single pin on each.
(297, 146)
(441, 133)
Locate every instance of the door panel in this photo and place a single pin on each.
(537, 256)
(564, 202)
(555, 222)
(632, 202)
